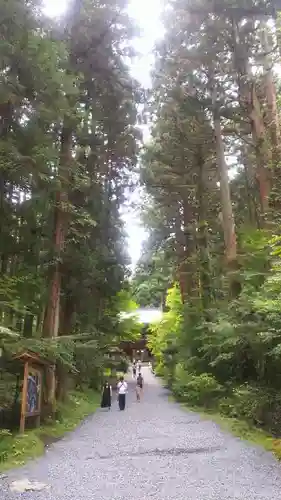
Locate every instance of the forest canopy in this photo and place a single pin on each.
(211, 172)
(70, 155)
(69, 143)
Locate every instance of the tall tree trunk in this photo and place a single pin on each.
(271, 117)
(206, 290)
(6, 120)
(251, 190)
(227, 212)
(190, 268)
(66, 315)
(51, 319)
(251, 108)
(28, 325)
(262, 151)
(180, 255)
(65, 328)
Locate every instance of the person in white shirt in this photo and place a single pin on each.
(122, 388)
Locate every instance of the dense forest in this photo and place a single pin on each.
(69, 142)
(71, 153)
(212, 208)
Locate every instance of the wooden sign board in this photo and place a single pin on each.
(31, 395)
(32, 388)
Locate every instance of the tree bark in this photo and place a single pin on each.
(180, 254)
(271, 113)
(226, 205)
(28, 325)
(251, 109)
(251, 190)
(51, 319)
(206, 290)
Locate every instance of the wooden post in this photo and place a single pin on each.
(23, 398)
(37, 422)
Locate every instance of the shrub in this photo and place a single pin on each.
(197, 390)
(259, 406)
(123, 365)
(4, 435)
(159, 370)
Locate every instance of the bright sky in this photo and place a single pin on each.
(147, 15)
(145, 315)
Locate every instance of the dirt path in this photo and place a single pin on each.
(154, 449)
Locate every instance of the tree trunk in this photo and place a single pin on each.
(251, 190)
(66, 315)
(206, 290)
(262, 151)
(28, 325)
(62, 379)
(65, 328)
(271, 118)
(251, 109)
(227, 213)
(180, 255)
(190, 268)
(51, 319)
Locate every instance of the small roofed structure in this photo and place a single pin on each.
(29, 367)
(31, 400)
(138, 349)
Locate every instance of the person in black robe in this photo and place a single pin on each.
(106, 396)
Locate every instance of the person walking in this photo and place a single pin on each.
(106, 396)
(139, 387)
(122, 388)
(134, 370)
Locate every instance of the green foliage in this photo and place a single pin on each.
(163, 336)
(197, 390)
(216, 225)
(230, 360)
(152, 275)
(127, 327)
(4, 434)
(258, 406)
(15, 450)
(69, 145)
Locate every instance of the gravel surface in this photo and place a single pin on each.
(154, 449)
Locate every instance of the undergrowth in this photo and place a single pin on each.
(16, 449)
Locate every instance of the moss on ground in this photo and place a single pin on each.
(16, 449)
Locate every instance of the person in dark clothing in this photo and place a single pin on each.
(139, 386)
(106, 396)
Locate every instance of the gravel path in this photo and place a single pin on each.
(154, 449)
